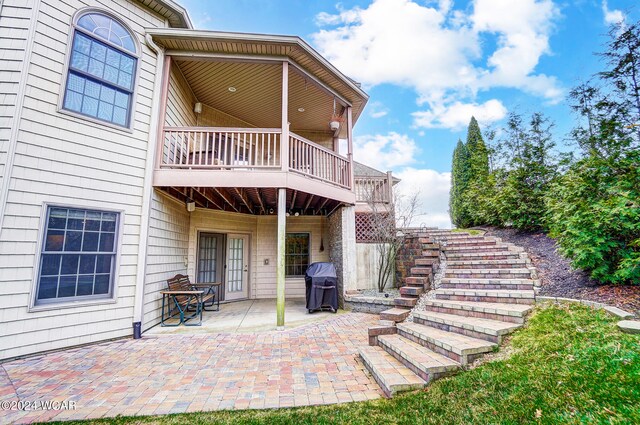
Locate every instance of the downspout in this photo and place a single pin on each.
(152, 143)
(12, 142)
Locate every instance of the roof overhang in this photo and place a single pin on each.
(214, 45)
(171, 11)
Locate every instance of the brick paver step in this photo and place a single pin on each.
(415, 291)
(461, 348)
(476, 248)
(504, 280)
(421, 271)
(417, 281)
(426, 363)
(495, 283)
(515, 273)
(481, 255)
(487, 295)
(405, 301)
(510, 263)
(487, 329)
(395, 314)
(392, 376)
(514, 313)
(426, 261)
(471, 242)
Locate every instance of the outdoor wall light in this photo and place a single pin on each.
(191, 206)
(197, 108)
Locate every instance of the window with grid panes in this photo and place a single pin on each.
(102, 66)
(296, 254)
(78, 255)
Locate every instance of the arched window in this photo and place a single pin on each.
(102, 68)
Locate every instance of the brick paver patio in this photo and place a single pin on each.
(308, 365)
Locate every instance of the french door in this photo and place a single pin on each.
(237, 270)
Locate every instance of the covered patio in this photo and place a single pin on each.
(248, 316)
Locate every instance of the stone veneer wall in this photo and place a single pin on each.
(342, 249)
(373, 305)
(334, 223)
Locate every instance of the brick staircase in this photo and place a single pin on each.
(485, 293)
(417, 261)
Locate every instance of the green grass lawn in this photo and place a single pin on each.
(568, 365)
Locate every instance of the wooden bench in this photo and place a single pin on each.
(188, 301)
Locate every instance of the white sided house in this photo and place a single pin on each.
(134, 148)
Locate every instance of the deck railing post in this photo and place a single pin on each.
(350, 146)
(389, 193)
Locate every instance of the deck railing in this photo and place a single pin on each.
(216, 148)
(372, 189)
(221, 148)
(313, 160)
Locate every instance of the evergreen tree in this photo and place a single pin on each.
(593, 209)
(531, 168)
(459, 184)
(477, 151)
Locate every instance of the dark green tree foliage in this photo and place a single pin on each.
(459, 184)
(532, 167)
(594, 208)
(478, 153)
(469, 175)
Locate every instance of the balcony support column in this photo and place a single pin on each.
(282, 200)
(164, 94)
(284, 142)
(280, 263)
(350, 145)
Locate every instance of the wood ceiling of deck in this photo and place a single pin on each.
(258, 94)
(264, 46)
(252, 200)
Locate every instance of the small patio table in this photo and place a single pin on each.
(182, 301)
(208, 287)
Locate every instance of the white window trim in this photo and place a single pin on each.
(36, 268)
(84, 119)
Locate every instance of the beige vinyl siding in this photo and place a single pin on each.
(212, 117)
(324, 139)
(166, 252)
(14, 29)
(262, 234)
(265, 284)
(180, 101)
(61, 159)
(203, 220)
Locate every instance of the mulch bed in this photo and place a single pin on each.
(559, 279)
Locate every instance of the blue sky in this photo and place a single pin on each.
(429, 65)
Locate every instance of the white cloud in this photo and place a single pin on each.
(457, 115)
(612, 17)
(384, 152)
(438, 51)
(377, 110)
(432, 188)
(522, 38)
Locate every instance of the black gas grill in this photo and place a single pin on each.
(321, 283)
